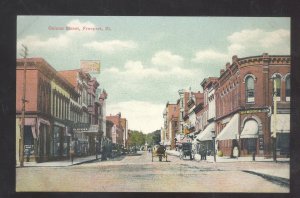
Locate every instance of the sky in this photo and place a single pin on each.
(146, 60)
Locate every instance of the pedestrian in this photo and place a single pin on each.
(235, 152)
(201, 152)
(204, 153)
(72, 151)
(103, 156)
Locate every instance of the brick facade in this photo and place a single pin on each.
(233, 96)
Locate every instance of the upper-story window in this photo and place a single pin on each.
(250, 89)
(277, 80)
(287, 88)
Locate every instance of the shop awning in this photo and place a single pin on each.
(206, 135)
(282, 123)
(250, 130)
(230, 132)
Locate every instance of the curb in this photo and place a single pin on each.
(88, 161)
(279, 180)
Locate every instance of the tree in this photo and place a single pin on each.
(153, 138)
(136, 138)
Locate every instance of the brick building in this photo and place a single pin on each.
(62, 108)
(46, 134)
(206, 115)
(170, 115)
(244, 105)
(117, 132)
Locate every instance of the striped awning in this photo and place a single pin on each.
(230, 132)
(250, 130)
(206, 135)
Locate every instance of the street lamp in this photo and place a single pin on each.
(213, 136)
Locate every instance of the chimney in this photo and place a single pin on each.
(265, 55)
(222, 71)
(227, 65)
(234, 58)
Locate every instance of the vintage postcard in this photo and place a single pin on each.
(153, 104)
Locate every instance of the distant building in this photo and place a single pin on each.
(171, 114)
(117, 129)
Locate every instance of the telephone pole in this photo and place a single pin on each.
(274, 119)
(21, 141)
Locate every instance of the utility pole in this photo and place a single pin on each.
(274, 119)
(21, 141)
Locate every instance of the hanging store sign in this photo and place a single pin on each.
(90, 66)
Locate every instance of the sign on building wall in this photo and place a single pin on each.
(90, 66)
(250, 111)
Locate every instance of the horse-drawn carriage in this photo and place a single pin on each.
(186, 151)
(160, 152)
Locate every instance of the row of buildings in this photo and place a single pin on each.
(245, 107)
(64, 111)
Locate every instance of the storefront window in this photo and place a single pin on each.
(56, 141)
(28, 141)
(66, 145)
(283, 143)
(251, 145)
(288, 88)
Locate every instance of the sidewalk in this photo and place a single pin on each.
(228, 159)
(281, 176)
(64, 163)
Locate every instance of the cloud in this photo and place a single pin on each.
(137, 70)
(254, 42)
(34, 42)
(141, 115)
(166, 58)
(138, 81)
(61, 41)
(247, 42)
(112, 46)
(209, 55)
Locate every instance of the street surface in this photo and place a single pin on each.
(139, 174)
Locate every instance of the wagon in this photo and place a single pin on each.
(186, 151)
(160, 152)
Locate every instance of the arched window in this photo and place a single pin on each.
(287, 88)
(249, 89)
(277, 79)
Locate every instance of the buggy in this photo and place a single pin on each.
(160, 152)
(186, 150)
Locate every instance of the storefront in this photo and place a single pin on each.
(227, 139)
(282, 123)
(205, 140)
(249, 137)
(30, 137)
(43, 140)
(60, 145)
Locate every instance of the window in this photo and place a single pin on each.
(249, 89)
(287, 88)
(277, 79)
